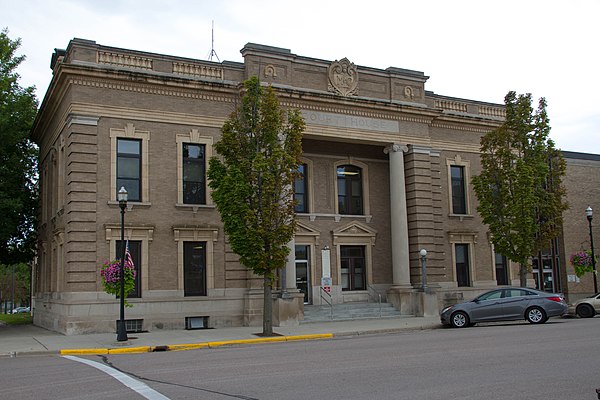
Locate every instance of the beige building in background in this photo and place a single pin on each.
(386, 165)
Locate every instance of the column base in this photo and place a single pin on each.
(401, 298)
(426, 304)
(288, 308)
(411, 301)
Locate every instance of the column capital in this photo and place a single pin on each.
(395, 147)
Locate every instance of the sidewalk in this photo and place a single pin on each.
(28, 339)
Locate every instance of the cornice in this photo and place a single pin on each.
(141, 114)
(156, 89)
(462, 126)
(358, 112)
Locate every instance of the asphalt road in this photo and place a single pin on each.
(557, 360)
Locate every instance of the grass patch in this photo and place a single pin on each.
(16, 319)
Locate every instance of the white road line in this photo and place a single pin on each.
(139, 387)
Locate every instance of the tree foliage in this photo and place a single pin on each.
(22, 277)
(18, 159)
(520, 190)
(252, 182)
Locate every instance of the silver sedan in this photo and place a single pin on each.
(588, 307)
(506, 304)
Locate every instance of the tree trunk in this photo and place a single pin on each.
(268, 307)
(523, 275)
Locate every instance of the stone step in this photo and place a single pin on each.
(349, 311)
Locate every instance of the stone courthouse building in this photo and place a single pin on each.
(386, 172)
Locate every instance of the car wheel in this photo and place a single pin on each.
(535, 315)
(459, 319)
(585, 311)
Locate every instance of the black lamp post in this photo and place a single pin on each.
(121, 330)
(588, 213)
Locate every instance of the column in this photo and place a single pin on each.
(290, 266)
(399, 218)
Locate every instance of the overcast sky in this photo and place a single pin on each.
(472, 49)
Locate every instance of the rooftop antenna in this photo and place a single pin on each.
(212, 45)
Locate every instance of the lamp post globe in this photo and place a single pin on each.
(589, 215)
(121, 329)
(122, 197)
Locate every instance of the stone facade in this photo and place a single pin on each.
(583, 189)
(402, 139)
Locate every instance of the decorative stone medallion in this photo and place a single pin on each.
(343, 77)
(270, 71)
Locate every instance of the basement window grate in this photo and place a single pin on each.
(196, 322)
(132, 325)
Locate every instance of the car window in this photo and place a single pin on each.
(516, 293)
(496, 294)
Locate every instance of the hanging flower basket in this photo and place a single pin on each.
(582, 262)
(111, 278)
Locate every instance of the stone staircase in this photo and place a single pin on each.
(348, 311)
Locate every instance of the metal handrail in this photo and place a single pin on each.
(378, 297)
(329, 302)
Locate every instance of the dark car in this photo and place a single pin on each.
(506, 304)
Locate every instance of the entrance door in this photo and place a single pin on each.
(353, 264)
(303, 271)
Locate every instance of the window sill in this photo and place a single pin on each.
(337, 217)
(461, 216)
(130, 204)
(195, 207)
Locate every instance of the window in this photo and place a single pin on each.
(496, 294)
(516, 293)
(350, 191)
(129, 167)
(501, 269)
(462, 264)
(194, 172)
(194, 268)
(353, 268)
(135, 248)
(459, 201)
(129, 163)
(193, 152)
(301, 189)
(458, 185)
(139, 240)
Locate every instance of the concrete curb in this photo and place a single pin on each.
(32, 353)
(193, 346)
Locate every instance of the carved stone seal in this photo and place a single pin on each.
(343, 77)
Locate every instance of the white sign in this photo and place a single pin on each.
(326, 281)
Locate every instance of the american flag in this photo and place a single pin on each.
(128, 260)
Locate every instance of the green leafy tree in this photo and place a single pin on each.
(252, 183)
(520, 190)
(18, 159)
(20, 275)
